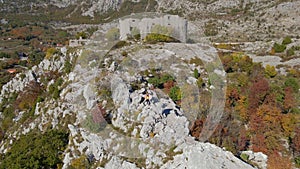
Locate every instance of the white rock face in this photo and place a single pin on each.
(89, 93)
(100, 6)
(205, 155)
(117, 163)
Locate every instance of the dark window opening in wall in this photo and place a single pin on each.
(168, 17)
(131, 28)
(133, 20)
(169, 24)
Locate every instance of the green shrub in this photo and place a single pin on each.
(279, 48)
(50, 52)
(290, 52)
(244, 157)
(196, 73)
(83, 35)
(296, 47)
(159, 80)
(36, 57)
(23, 63)
(297, 161)
(4, 55)
(154, 38)
(175, 93)
(270, 71)
(166, 77)
(155, 81)
(293, 83)
(56, 93)
(68, 67)
(54, 88)
(59, 81)
(286, 40)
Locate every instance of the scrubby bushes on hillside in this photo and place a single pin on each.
(54, 89)
(267, 105)
(270, 71)
(154, 38)
(278, 48)
(287, 40)
(159, 79)
(36, 150)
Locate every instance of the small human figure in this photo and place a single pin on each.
(147, 98)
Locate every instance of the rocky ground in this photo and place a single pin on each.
(101, 109)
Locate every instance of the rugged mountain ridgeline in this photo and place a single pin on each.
(234, 20)
(81, 107)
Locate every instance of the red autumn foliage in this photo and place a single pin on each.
(296, 142)
(243, 141)
(232, 97)
(258, 92)
(20, 33)
(197, 127)
(168, 85)
(258, 143)
(277, 161)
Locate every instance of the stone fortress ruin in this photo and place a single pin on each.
(144, 23)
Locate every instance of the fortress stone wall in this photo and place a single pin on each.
(144, 24)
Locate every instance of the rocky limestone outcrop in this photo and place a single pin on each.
(157, 133)
(204, 155)
(258, 158)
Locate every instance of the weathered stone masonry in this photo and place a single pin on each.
(145, 24)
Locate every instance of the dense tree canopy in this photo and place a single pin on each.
(36, 150)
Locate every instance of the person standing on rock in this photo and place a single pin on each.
(147, 98)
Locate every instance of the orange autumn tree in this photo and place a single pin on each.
(20, 33)
(277, 161)
(266, 129)
(241, 108)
